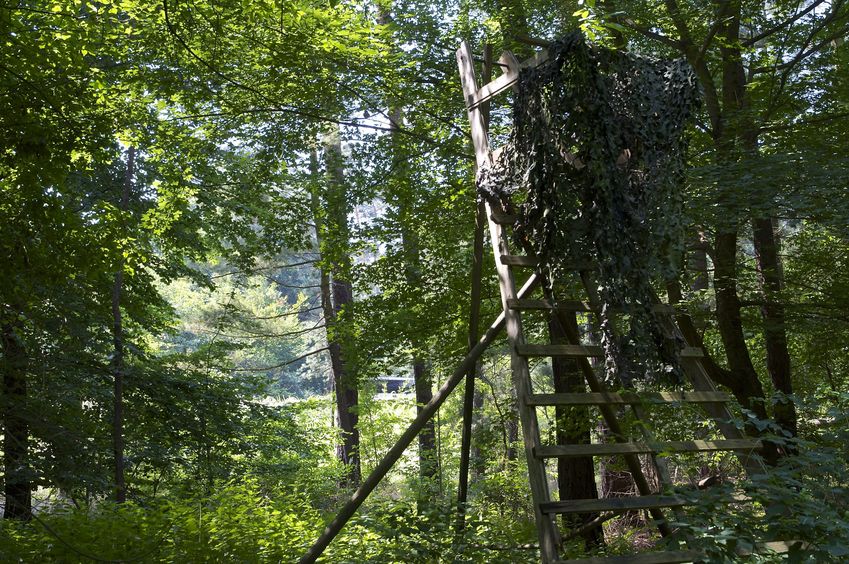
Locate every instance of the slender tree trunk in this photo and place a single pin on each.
(774, 329)
(739, 138)
(575, 476)
(422, 378)
(118, 364)
(332, 225)
(478, 462)
(512, 424)
(697, 264)
(744, 382)
(17, 487)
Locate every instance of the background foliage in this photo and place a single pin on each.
(229, 418)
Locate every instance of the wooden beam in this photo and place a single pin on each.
(474, 322)
(503, 82)
(625, 398)
(613, 449)
(619, 504)
(518, 260)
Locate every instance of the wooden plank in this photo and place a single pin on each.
(625, 398)
(518, 260)
(571, 351)
(477, 123)
(503, 82)
(618, 504)
(577, 351)
(474, 329)
(574, 305)
(570, 305)
(546, 527)
(668, 557)
(614, 449)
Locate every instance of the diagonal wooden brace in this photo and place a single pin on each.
(415, 427)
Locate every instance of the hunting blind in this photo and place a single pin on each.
(582, 208)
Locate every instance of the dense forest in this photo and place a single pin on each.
(236, 252)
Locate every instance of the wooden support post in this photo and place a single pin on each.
(474, 320)
(407, 437)
(546, 529)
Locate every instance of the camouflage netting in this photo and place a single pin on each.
(594, 166)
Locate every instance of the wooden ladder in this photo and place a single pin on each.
(704, 393)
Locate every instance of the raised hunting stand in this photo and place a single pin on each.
(517, 299)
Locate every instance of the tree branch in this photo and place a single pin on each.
(789, 21)
(631, 24)
(282, 364)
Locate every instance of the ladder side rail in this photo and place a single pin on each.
(474, 320)
(546, 529)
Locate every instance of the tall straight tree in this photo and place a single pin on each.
(401, 193)
(118, 363)
(17, 489)
(331, 223)
(575, 476)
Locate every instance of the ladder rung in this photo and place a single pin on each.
(586, 398)
(571, 305)
(575, 351)
(518, 260)
(612, 449)
(779, 547)
(522, 260)
(503, 218)
(585, 351)
(613, 504)
(668, 557)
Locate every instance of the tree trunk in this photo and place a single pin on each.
(512, 423)
(739, 138)
(775, 335)
(575, 476)
(422, 380)
(118, 364)
(332, 234)
(744, 382)
(17, 486)
(478, 462)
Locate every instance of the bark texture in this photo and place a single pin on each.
(575, 476)
(330, 212)
(17, 486)
(735, 136)
(118, 366)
